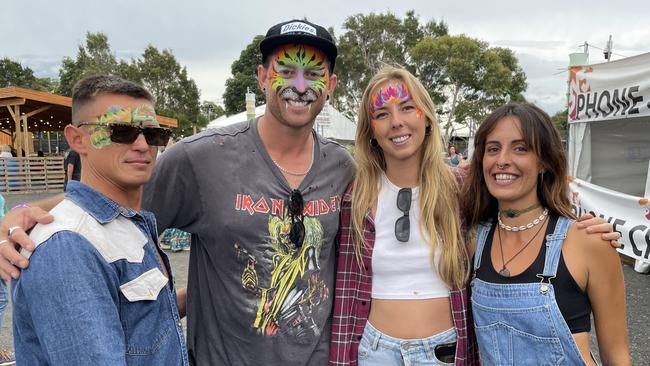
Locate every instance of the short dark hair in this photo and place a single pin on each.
(88, 88)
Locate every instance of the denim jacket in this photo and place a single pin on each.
(94, 293)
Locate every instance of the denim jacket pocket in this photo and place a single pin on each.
(145, 287)
(146, 314)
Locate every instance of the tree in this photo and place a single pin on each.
(244, 78)
(176, 94)
(467, 78)
(13, 73)
(371, 41)
(212, 110)
(94, 58)
(560, 121)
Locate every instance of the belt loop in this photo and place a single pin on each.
(429, 349)
(376, 336)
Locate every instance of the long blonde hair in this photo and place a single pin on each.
(439, 209)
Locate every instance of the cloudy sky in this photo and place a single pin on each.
(207, 36)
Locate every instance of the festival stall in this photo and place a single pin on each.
(609, 148)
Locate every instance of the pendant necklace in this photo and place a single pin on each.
(504, 270)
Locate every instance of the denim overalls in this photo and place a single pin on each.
(521, 324)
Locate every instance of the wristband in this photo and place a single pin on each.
(20, 205)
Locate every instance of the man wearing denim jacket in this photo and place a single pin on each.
(98, 290)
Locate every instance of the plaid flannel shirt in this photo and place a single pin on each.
(354, 289)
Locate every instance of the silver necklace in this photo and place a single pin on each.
(529, 225)
(313, 152)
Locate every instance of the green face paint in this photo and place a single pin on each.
(299, 66)
(118, 114)
(100, 135)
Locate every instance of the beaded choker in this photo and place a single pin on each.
(530, 225)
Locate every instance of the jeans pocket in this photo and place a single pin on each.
(445, 354)
(501, 344)
(364, 350)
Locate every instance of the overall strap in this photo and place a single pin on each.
(481, 236)
(554, 243)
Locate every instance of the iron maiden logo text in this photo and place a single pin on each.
(275, 206)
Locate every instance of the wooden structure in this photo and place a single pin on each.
(32, 174)
(23, 112)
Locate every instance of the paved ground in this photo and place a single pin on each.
(637, 286)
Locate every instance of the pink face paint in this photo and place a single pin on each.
(390, 94)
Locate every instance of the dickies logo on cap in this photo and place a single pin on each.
(298, 27)
(299, 32)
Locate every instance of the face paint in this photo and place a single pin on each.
(100, 135)
(392, 94)
(118, 114)
(301, 67)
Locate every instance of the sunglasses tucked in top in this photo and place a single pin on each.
(403, 224)
(123, 133)
(296, 206)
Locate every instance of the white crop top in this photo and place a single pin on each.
(401, 270)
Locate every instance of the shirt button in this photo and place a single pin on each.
(358, 338)
(363, 303)
(180, 325)
(372, 229)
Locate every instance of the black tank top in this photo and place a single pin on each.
(572, 301)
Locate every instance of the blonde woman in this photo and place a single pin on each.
(400, 296)
(402, 268)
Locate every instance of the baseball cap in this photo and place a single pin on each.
(299, 32)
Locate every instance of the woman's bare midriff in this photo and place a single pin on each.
(411, 319)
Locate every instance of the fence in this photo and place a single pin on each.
(32, 174)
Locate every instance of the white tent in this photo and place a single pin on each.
(330, 123)
(609, 147)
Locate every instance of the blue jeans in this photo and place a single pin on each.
(4, 300)
(377, 348)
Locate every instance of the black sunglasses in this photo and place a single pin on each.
(296, 205)
(403, 224)
(121, 133)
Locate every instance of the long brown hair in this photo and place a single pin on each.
(540, 134)
(439, 210)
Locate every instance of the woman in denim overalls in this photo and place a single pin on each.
(532, 294)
